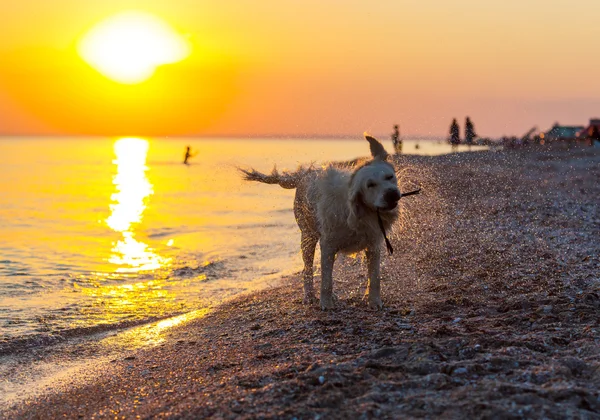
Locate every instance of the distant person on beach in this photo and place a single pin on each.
(396, 140)
(469, 132)
(188, 155)
(454, 134)
(595, 136)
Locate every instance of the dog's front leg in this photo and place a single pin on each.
(309, 243)
(327, 260)
(373, 294)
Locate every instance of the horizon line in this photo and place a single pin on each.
(222, 136)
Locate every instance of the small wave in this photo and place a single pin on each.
(31, 285)
(17, 273)
(36, 341)
(171, 163)
(208, 270)
(259, 225)
(162, 232)
(13, 269)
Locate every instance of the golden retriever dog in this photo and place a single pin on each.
(345, 211)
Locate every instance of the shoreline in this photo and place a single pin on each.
(491, 310)
(47, 299)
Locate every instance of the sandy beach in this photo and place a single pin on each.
(492, 310)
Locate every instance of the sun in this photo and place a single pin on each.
(129, 46)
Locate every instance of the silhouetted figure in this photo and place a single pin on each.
(595, 136)
(396, 140)
(454, 134)
(188, 155)
(469, 132)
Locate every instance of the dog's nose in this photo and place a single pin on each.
(391, 196)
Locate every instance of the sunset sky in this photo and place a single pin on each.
(309, 67)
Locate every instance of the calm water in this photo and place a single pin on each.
(98, 232)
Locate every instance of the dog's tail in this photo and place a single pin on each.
(288, 180)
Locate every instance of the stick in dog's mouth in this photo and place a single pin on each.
(395, 205)
(411, 193)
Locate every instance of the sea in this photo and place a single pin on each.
(104, 233)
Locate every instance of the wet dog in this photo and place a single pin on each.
(345, 211)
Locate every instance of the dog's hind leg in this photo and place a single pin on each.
(309, 244)
(327, 260)
(373, 295)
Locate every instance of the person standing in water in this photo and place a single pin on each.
(188, 155)
(470, 134)
(454, 135)
(396, 140)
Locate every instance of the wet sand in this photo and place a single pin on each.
(492, 310)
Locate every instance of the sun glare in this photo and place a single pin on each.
(128, 205)
(128, 47)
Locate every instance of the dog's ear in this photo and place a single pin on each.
(377, 150)
(356, 207)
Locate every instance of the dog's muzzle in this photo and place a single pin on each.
(391, 198)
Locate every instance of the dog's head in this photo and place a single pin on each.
(373, 186)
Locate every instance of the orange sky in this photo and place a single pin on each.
(296, 68)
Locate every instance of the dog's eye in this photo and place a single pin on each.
(389, 177)
(371, 184)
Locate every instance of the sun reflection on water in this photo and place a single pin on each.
(151, 334)
(128, 205)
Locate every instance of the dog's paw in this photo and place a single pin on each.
(375, 303)
(327, 304)
(309, 299)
